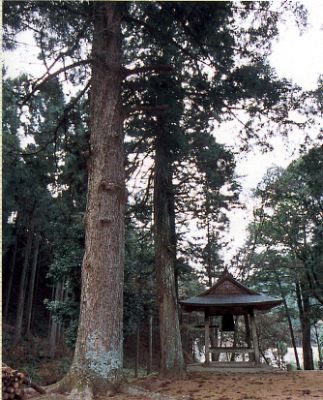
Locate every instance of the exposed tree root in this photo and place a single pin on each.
(84, 393)
(50, 396)
(74, 387)
(58, 391)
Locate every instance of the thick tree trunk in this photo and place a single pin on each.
(22, 287)
(98, 358)
(172, 361)
(32, 285)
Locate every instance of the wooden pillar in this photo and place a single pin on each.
(216, 336)
(246, 321)
(254, 336)
(216, 356)
(248, 336)
(213, 337)
(207, 337)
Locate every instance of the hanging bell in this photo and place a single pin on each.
(227, 323)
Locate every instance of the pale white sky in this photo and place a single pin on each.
(298, 57)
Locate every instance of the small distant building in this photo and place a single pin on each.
(229, 298)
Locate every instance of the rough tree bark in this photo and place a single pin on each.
(172, 361)
(98, 357)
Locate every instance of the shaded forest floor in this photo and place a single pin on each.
(295, 385)
(31, 356)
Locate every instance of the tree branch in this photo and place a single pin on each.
(53, 75)
(61, 54)
(156, 109)
(157, 34)
(65, 113)
(158, 68)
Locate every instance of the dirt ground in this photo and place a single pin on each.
(280, 385)
(243, 386)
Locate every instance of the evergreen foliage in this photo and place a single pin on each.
(285, 249)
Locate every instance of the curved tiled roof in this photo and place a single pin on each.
(229, 296)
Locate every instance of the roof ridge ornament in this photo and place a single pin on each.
(226, 272)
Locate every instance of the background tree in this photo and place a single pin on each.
(286, 227)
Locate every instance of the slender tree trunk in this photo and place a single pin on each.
(137, 349)
(319, 348)
(209, 267)
(65, 294)
(33, 315)
(306, 331)
(50, 315)
(54, 324)
(98, 358)
(10, 278)
(172, 361)
(60, 298)
(304, 308)
(150, 344)
(52, 339)
(22, 287)
(210, 271)
(32, 285)
(291, 330)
